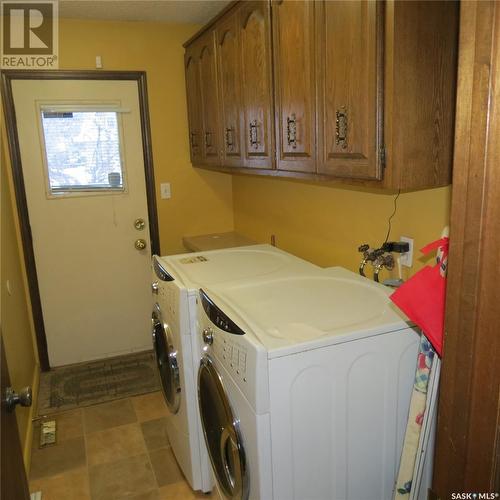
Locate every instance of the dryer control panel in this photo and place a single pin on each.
(167, 297)
(160, 272)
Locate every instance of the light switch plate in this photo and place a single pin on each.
(165, 190)
(406, 258)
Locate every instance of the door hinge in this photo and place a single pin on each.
(382, 156)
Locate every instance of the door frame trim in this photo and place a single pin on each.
(19, 188)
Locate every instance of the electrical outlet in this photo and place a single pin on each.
(166, 193)
(406, 258)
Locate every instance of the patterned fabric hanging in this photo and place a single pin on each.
(415, 418)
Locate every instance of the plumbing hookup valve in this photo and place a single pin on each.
(369, 255)
(378, 257)
(385, 260)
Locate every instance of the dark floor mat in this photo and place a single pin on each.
(96, 382)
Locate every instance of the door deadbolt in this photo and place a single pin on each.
(140, 244)
(12, 399)
(139, 224)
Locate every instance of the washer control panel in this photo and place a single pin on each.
(244, 360)
(232, 355)
(242, 364)
(217, 317)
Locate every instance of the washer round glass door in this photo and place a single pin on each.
(166, 360)
(222, 433)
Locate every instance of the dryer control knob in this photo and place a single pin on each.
(154, 287)
(208, 336)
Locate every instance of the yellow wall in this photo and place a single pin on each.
(326, 224)
(201, 201)
(15, 309)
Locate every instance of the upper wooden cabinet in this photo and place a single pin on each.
(420, 71)
(349, 67)
(295, 84)
(359, 90)
(192, 69)
(209, 99)
(254, 18)
(231, 112)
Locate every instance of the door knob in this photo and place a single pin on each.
(140, 244)
(139, 224)
(12, 399)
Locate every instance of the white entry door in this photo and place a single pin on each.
(83, 167)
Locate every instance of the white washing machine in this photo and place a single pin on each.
(174, 358)
(176, 280)
(304, 387)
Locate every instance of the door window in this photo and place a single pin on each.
(82, 150)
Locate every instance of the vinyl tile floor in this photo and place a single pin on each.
(111, 451)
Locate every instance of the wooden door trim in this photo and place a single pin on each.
(467, 435)
(19, 188)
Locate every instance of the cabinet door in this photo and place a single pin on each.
(228, 65)
(191, 65)
(256, 82)
(294, 72)
(209, 99)
(350, 105)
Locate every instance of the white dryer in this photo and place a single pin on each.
(304, 387)
(176, 280)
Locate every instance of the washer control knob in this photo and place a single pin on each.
(154, 287)
(208, 336)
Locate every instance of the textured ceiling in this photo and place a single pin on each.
(171, 11)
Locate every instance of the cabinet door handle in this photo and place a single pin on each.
(208, 139)
(254, 134)
(229, 138)
(291, 130)
(342, 127)
(193, 140)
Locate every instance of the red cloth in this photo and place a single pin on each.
(422, 298)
